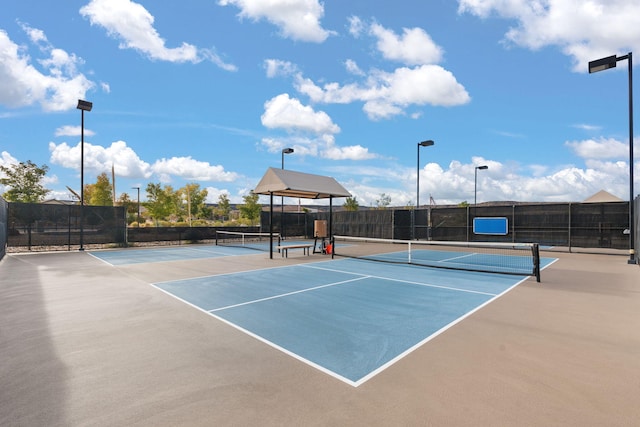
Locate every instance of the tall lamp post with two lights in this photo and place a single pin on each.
(287, 150)
(138, 188)
(475, 184)
(82, 106)
(426, 143)
(601, 65)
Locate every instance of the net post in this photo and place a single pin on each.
(216, 237)
(536, 261)
(332, 241)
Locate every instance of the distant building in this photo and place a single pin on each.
(602, 197)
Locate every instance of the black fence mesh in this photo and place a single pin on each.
(586, 225)
(365, 223)
(4, 226)
(636, 210)
(38, 225)
(179, 234)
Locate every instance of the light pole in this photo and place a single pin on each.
(284, 151)
(605, 64)
(138, 188)
(475, 185)
(426, 143)
(82, 106)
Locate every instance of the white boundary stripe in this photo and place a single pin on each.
(361, 277)
(429, 285)
(100, 259)
(264, 340)
(218, 254)
(289, 293)
(188, 279)
(432, 336)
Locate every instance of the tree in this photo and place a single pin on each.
(130, 206)
(160, 203)
(100, 193)
(464, 204)
(24, 181)
(224, 207)
(351, 204)
(251, 209)
(384, 201)
(195, 199)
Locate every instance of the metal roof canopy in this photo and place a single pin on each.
(288, 183)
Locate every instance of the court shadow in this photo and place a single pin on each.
(33, 378)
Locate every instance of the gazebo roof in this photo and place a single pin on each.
(601, 197)
(288, 183)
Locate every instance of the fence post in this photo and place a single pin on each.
(513, 223)
(569, 231)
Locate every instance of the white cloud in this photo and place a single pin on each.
(276, 67)
(587, 127)
(322, 146)
(191, 169)
(73, 131)
(599, 149)
(213, 194)
(414, 47)
(352, 152)
(356, 26)
(289, 113)
(98, 159)
(387, 94)
(127, 163)
(454, 183)
(7, 159)
(22, 84)
(583, 30)
(352, 68)
(283, 112)
(297, 19)
(133, 25)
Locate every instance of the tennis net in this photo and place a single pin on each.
(491, 257)
(258, 241)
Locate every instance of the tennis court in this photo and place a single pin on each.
(349, 318)
(247, 340)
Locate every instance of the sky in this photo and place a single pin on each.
(211, 91)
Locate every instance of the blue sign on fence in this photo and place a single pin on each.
(498, 226)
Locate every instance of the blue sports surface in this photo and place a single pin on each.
(349, 318)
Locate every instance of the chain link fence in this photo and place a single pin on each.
(38, 226)
(579, 225)
(4, 226)
(584, 225)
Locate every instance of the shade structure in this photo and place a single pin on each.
(288, 183)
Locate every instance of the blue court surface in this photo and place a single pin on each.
(349, 318)
(164, 254)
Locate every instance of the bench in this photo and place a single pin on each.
(284, 249)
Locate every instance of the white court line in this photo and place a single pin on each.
(429, 285)
(264, 340)
(289, 293)
(360, 277)
(432, 336)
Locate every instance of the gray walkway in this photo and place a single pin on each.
(83, 343)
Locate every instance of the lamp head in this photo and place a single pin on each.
(483, 167)
(287, 150)
(426, 143)
(84, 105)
(602, 64)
